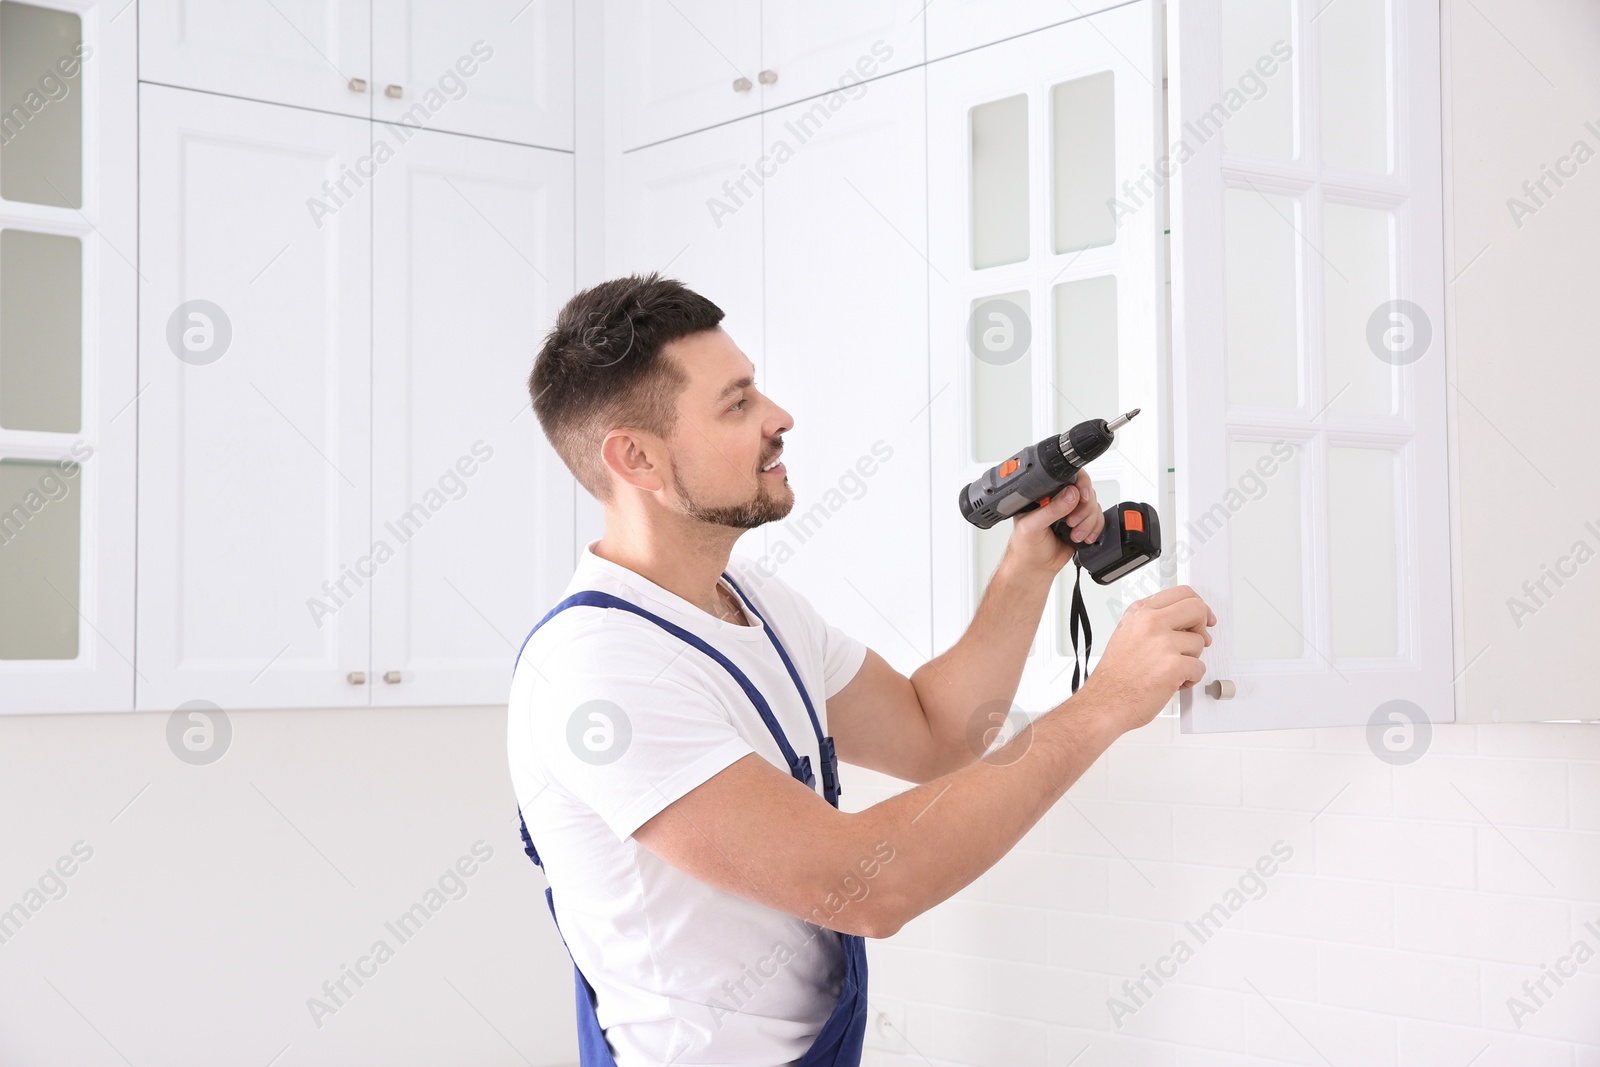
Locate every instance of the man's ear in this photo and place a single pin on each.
(632, 456)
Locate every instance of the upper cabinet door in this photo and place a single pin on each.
(960, 25)
(491, 68)
(68, 302)
(312, 53)
(1046, 282)
(689, 209)
(254, 371)
(816, 48)
(472, 509)
(684, 65)
(1308, 360)
(854, 378)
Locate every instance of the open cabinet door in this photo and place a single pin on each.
(1310, 459)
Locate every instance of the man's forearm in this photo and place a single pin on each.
(947, 832)
(985, 665)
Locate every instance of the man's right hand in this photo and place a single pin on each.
(1153, 653)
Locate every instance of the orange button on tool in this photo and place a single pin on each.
(1133, 520)
(1009, 467)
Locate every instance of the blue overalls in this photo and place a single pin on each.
(840, 1041)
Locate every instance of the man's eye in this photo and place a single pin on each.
(737, 406)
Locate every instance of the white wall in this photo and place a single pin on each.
(218, 898)
(1417, 899)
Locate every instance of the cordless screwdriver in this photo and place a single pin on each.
(1029, 479)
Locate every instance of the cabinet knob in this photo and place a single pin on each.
(392, 677)
(358, 85)
(767, 77)
(1221, 689)
(741, 85)
(356, 677)
(392, 91)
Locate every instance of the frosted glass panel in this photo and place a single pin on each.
(1086, 350)
(39, 525)
(1262, 292)
(1083, 162)
(41, 105)
(1363, 547)
(1000, 333)
(1258, 116)
(1355, 85)
(1104, 602)
(1356, 283)
(988, 546)
(1000, 182)
(1266, 549)
(41, 333)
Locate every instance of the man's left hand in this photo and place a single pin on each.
(1035, 546)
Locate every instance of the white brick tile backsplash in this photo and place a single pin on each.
(1238, 838)
(1585, 779)
(1458, 789)
(1407, 984)
(983, 1040)
(1539, 862)
(1049, 880)
(1484, 926)
(926, 977)
(1546, 740)
(1428, 1043)
(1114, 946)
(1344, 783)
(1174, 774)
(1568, 1012)
(1234, 959)
(990, 931)
(1445, 739)
(1048, 995)
(1173, 891)
(1387, 850)
(1316, 1035)
(1210, 1018)
(1416, 902)
(1087, 1048)
(1111, 828)
(1325, 909)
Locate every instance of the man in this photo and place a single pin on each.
(672, 722)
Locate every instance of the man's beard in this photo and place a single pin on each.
(757, 511)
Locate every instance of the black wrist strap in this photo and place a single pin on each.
(1080, 616)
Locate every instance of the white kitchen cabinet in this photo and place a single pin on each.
(68, 293)
(692, 209)
(1308, 359)
(695, 64)
(961, 25)
(255, 393)
(682, 66)
(310, 53)
(472, 257)
(492, 68)
(1045, 281)
(816, 48)
(846, 311)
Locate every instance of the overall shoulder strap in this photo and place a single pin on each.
(799, 766)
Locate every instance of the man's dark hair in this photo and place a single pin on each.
(601, 367)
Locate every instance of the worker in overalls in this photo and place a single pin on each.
(677, 720)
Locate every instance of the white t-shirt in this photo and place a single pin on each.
(683, 972)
